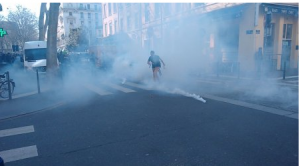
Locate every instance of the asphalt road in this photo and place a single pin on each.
(154, 128)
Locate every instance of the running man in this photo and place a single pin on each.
(154, 60)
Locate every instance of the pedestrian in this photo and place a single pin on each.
(155, 60)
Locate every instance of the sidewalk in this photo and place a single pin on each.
(270, 92)
(29, 104)
(292, 80)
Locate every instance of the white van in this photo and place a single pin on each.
(35, 55)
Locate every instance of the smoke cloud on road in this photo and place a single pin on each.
(191, 58)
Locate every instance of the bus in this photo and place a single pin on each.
(35, 55)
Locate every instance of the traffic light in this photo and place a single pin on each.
(0, 7)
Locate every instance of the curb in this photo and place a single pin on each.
(33, 112)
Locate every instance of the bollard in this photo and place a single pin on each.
(9, 88)
(284, 70)
(1, 162)
(38, 80)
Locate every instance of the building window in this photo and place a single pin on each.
(167, 10)
(198, 4)
(81, 6)
(97, 24)
(269, 35)
(71, 22)
(287, 31)
(89, 15)
(177, 7)
(88, 6)
(114, 7)
(105, 30)
(81, 15)
(115, 23)
(95, 7)
(120, 7)
(187, 6)
(136, 20)
(109, 9)
(90, 23)
(128, 23)
(110, 28)
(82, 22)
(157, 10)
(70, 13)
(104, 11)
(121, 24)
(147, 12)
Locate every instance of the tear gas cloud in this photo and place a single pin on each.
(189, 56)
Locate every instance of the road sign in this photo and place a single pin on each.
(2, 32)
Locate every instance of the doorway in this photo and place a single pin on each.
(286, 53)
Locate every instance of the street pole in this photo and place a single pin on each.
(9, 87)
(141, 25)
(284, 65)
(161, 26)
(38, 80)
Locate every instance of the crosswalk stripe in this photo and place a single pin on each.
(294, 81)
(120, 88)
(211, 82)
(137, 86)
(16, 131)
(19, 153)
(279, 78)
(97, 90)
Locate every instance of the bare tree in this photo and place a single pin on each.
(46, 23)
(12, 35)
(52, 66)
(27, 24)
(43, 10)
(77, 40)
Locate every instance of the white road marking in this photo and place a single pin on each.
(287, 84)
(294, 81)
(253, 106)
(138, 86)
(19, 153)
(16, 131)
(97, 90)
(279, 78)
(120, 88)
(211, 82)
(294, 115)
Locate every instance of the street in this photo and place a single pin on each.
(149, 84)
(135, 126)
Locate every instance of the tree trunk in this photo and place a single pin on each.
(46, 22)
(41, 22)
(52, 66)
